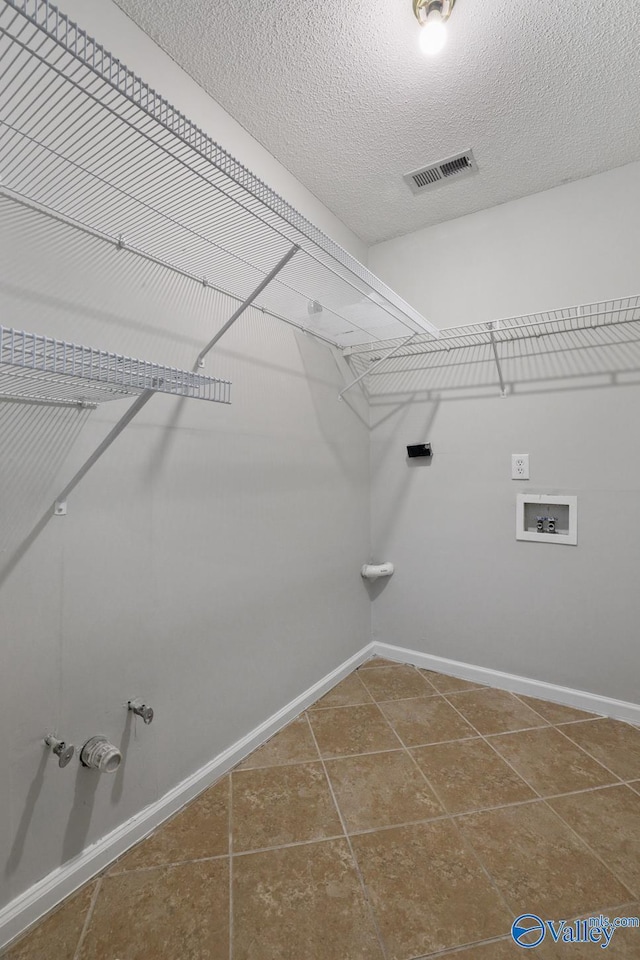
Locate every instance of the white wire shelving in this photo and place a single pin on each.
(87, 141)
(601, 325)
(34, 367)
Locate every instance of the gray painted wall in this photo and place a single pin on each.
(463, 587)
(209, 562)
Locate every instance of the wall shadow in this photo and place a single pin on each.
(28, 809)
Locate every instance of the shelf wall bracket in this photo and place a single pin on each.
(246, 303)
(388, 356)
(503, 389)
(60, 504)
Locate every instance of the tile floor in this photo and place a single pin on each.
(405, 815)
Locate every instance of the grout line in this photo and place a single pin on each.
(360, 876)
(462, 836)
(337, 706)
(594, 853)
(403, 746)
(446, 815)
(169, 863)
(549, 807)
(240, 768)
(428, 686)
(286, 846)
(87, 919)
(615, 911)
(591, 757)
(593, 716)
(230, 868)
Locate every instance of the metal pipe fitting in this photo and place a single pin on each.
(142, 710)
(99, 754)
(63, 751)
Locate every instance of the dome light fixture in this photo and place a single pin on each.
(432, 16)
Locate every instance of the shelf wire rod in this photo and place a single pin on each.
(503, 389)
(174, 155)
(246, 303)
(453, 342)
(30, 204)
(233, 256)
(192, 135)
(387, 356)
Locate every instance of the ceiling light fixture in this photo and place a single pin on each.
(432, 16)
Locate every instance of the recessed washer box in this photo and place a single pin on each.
(547, 518)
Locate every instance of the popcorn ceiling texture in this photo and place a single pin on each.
(544, 92)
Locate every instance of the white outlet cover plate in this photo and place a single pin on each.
(520, 466)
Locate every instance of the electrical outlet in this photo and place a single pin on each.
(519, 466)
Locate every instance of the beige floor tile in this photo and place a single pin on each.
(609, 821)
(624, 945)
(556, 712)
(396, 683)
(549, 762)
(301, 903)
(56, 937)
(425, 720)
(446, 684)
(378, 662)
(495, 711)
(500, 950)
(613, 743)
(200, 830)
(539, 864)
(381, 789)
(162, 914)
(280, 805)
(352, 730)
(468, 775)
(348, 692)
(427, 889)
(293, 744)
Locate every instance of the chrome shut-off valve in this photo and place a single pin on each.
(63, 751)
(142, 710)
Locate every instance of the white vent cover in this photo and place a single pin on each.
(453, 168)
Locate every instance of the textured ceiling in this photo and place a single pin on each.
(544, 92)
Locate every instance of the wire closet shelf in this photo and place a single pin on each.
(34, 367)
(87, 141)
(585, 325)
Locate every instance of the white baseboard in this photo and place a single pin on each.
(35, 902)
(580, 699)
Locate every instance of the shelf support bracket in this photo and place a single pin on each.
(60, 504)
(388, 356)
(494, 347)
(246, 303)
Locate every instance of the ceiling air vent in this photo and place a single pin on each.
(453, 168)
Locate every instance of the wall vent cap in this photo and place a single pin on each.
(444, 171)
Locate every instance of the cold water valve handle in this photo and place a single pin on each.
(141, 710)
(63, 751)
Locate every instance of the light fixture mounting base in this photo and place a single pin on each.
(422, 8)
